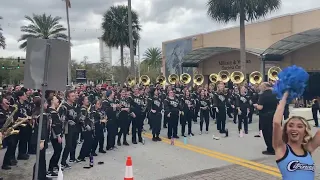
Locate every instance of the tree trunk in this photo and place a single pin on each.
(243, 59)
(122, 75)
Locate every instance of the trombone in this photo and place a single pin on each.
(213, 78)
(144, 80)
(198, 79)
(237, 77)
(131, 81)
(224, 76)
(185, 78)
(255, 78)
(173, 78)
(161, 80)
(273, 73)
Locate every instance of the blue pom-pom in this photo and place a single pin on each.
(292, 79)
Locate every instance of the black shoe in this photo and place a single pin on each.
(227, 132)
(257, 135)
(94, 154)
(6, 167)
(51, 174)
(134, 142)
(125, 143)
(177, 137)
(65, 166)
(154, 139)
(158, 139)
(119, 143)
(72, 160)
(102, 151)
(183, 135)
(268, 153)
(169, 137)
(23, 157)
(13, 162)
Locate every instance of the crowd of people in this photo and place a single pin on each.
(88, 114)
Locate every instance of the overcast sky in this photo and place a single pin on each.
(161, 20)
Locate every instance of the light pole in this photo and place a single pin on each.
(132, 68)
(68, 5)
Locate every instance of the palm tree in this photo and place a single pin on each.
(2, 39)
(42, 26)
(246, 10)
(116, 29)
(153, 57)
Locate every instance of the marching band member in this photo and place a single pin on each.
(87, 128)
(220, 104)
(68, 115)
(188, 113)
(55, 136)
(155, 105)
(100, 120)
(242, 107)
(136, 103)
(314, 109)
(110, 107)
(204, 110)
(123, 118)
(172, 110)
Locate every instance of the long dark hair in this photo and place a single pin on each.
(37, 106)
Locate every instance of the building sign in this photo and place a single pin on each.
(232, 64)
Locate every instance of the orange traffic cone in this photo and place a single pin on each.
(129, 172)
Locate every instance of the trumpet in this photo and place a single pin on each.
(273, 73)
(224, 76)
(185, 78)
(237, 77)
(161, 80)
(131, 81)
(144, 80)
(173, 78)
(198, 79)
(213, 78)
(255, 78)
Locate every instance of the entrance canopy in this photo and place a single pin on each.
(196, 56)
(294, 42)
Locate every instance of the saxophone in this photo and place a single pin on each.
(7, 124)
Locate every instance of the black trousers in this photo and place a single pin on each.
(71, 141)
(11, 143)
(221, 120)
(204, 117)
(86, 145)
(173, 121)
(267, 129)
(57, 149)
(315, 117)
(24, 138)
(213, 113)
(98, 139)
(155, 123)
(243, 119)
(137, 124)
(112, 129)
(195, 116)
(235, 115)
(42, 166)
(124, 126)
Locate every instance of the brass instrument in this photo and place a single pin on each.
(224, 76)
(273, 73)
(255, 78)
(185, 78)
(161, 80)
(173, 78)
(213, 78)
(144, 80)
(237, 77)
(131, 81)
(7, 123)
(198, 79)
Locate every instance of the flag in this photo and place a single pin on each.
(68, 3)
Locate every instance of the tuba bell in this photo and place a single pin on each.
(185, 78)
(237, 77)
(213, 78)
(161, 80)
(224, 76)
(273, 73)
(255, 78)
(144, 80)
(198, 79)
(173, 78)
(131, 81)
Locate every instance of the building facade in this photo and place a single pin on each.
(281, 41)
(105, 52)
